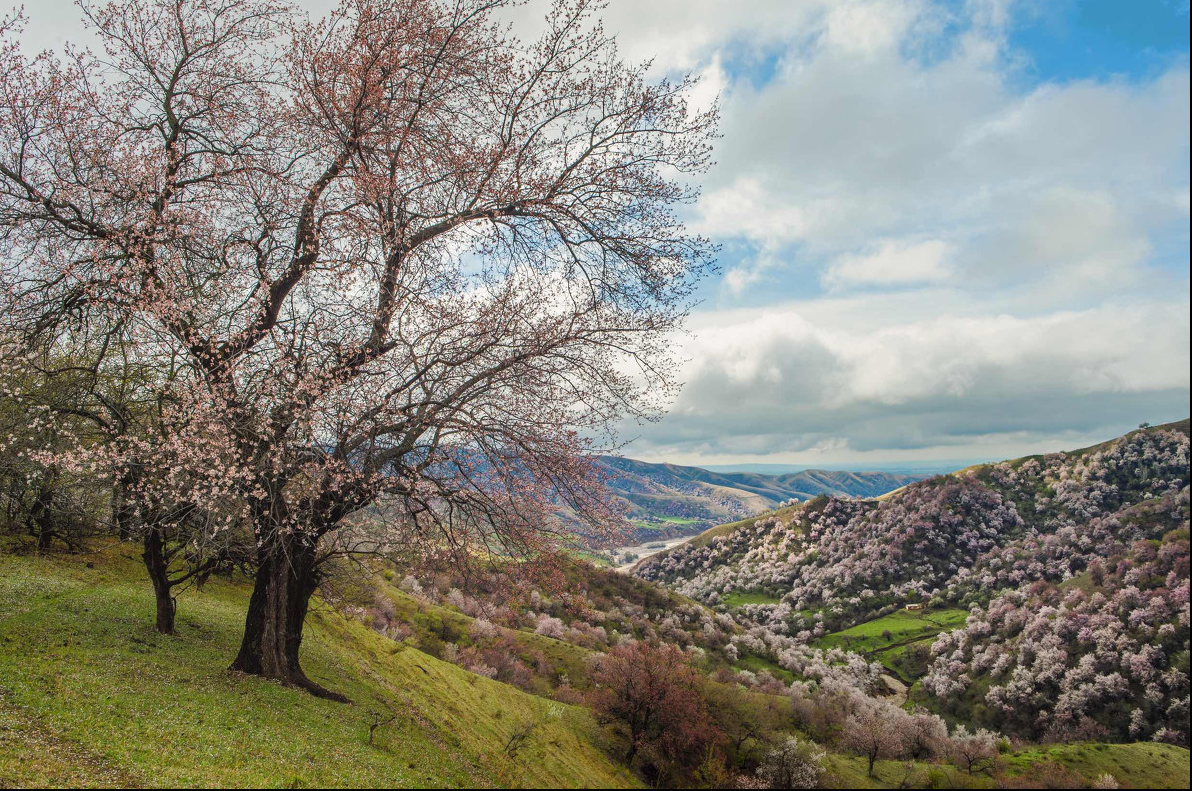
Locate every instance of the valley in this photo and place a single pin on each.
(497, 679)
(668, 500)
(992, 591)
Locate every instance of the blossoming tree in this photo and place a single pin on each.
(397, 261)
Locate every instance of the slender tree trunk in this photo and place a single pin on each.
(635, 730)
(42, 514)
(123, 510)
(286, 579)
(159, 573)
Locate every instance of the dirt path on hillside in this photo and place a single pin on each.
(898, 690)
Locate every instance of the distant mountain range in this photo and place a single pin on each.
(670, 499)
(922, 468)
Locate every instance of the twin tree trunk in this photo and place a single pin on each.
(286, 578)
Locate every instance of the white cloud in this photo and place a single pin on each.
(746, 208)
(870, 30)
(787, 379)
(839, 150)
(890, 263)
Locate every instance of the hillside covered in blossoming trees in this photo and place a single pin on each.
(1072, 567)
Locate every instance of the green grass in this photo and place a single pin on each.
(91, 695)
(662, 522)
(905, 627)
(757, 664)
(739, 599)
(596, 559)
(909, 629)
(429, 621)
(846, 771)
(1139, 765)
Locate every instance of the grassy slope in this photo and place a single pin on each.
(904, 626)
(89, 694)
(1140, 765)
(430, 620)
(740, 599)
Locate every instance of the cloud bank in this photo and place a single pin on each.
(929, 253)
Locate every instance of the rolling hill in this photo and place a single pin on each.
(1046, 597)
(677, 500)
(91, 696)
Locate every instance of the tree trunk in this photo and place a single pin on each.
(123, 510)
(159, 574)
(286, 579)
(43, 516)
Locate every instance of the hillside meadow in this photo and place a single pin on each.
(91, 695)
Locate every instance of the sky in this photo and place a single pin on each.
(950, 230)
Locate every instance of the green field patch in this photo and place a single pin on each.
(1082, 581)
(898, 630)
(756, 664)
(1138, 765)
(659, 522)
(740, 598)
(908, 661)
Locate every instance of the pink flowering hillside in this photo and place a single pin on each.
(1073, 567)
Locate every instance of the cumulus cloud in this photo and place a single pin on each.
(1012, 249)
(792, 382)
(840, 149)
